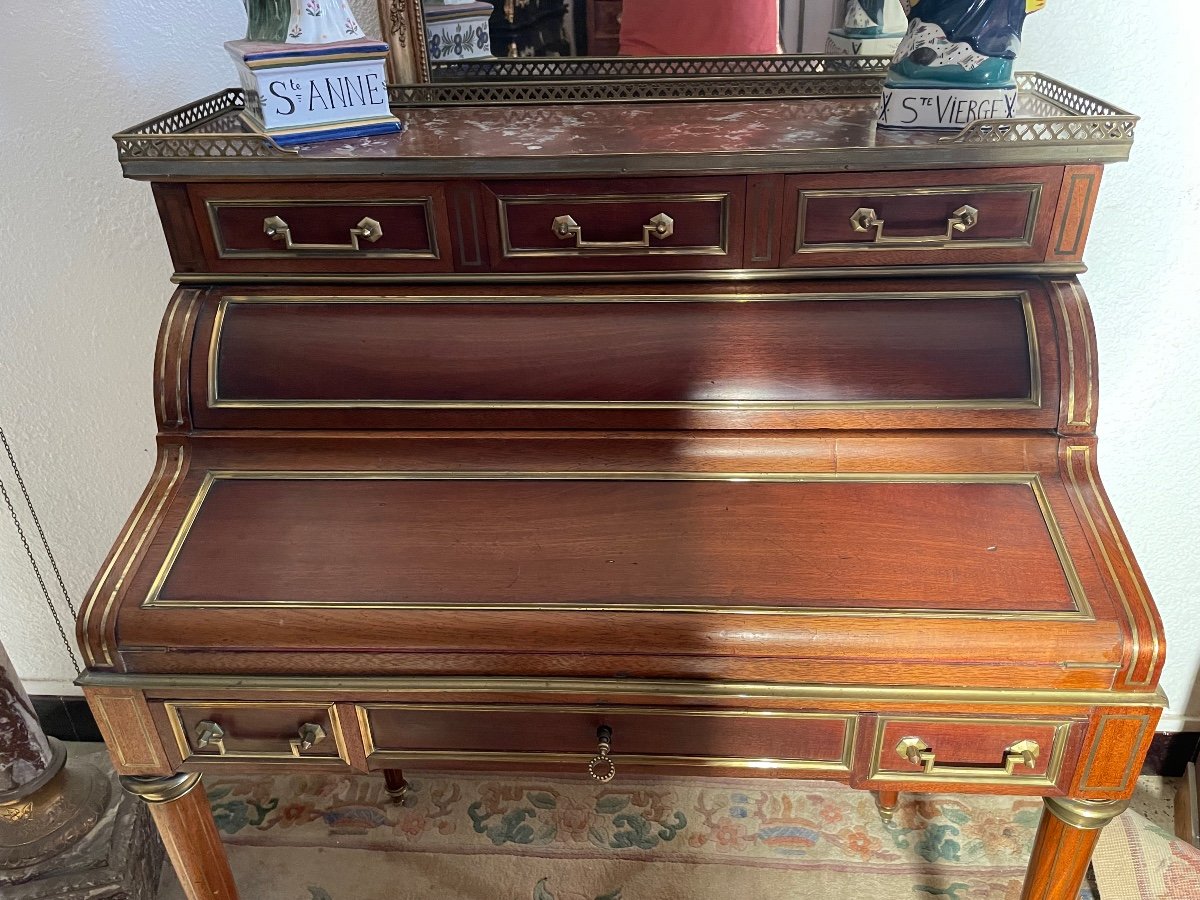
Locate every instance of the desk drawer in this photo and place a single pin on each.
(963, 217)
(628, 225)
(536, 735)
(292, 227)
(954, 750)
(294, 733)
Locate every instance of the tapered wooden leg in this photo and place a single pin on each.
(397, 787)
(1063, 848)
(184, 819)
(887, 802)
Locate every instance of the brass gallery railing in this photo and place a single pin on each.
(1052, 114)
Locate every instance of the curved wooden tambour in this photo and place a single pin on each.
(965, 353)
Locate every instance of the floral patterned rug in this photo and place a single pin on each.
(473, 836)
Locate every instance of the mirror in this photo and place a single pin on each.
(462, 32)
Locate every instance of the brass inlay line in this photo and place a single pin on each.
(1076, 180)
(797, 273)
(1031, 401)
(1135, 639)
(1026, 240)
(137, 548)
(90, 605)
(625, 687)
(99, 705)
(1081, 612)
(365, 204)
(1069, 328)
(1085, 779)
(842, 764)
(180, 355)
(965, 774)
(162, 368)
(511, 252)
(175, 708)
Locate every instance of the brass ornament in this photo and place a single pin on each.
(153, 789)
(601, 767)
(53, 818)
(1086, 815)
(367, 229)
(960, 221)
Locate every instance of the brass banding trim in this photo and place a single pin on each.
(505, 203)
(967, 774)
(93, 643)
(1085, 338)
(1078, 178)
(1086, 815)
(363, 205)
(1082, 609)
(791, 274)
(867, 194)
(1084, 781)
(167, 333)
(85, 619)
(624, 687)
(842, 764)
(1081, 502)
(1033, 400)
(155, 789)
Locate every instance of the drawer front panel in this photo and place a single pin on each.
(258, 732)
(942, 218)
(369, 228)
(616, 226)
(1019, 752)
(642, 736)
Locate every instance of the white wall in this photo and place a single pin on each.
(84, 276)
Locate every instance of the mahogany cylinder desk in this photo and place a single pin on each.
(645, 436)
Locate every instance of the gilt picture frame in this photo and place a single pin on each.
(402, 23)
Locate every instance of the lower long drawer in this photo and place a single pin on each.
(772, 740)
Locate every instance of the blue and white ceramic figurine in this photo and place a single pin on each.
(310, 73)
(869, 28)
(955, 64)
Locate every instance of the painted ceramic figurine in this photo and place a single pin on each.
(309, 74)
(872, 18)
(301, 21)
(955, 64)
(961, 42)
(869, 28)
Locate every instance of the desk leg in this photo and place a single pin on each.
(1063, 848)
(396, 784)
(184, 819)
(887, 801)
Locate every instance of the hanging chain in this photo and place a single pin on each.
(37, 571)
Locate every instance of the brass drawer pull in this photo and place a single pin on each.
(661, 226)
(310, 735)
(917, 752)
(210, 735)
(961, 221)
(368, 230)
(602, 768)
